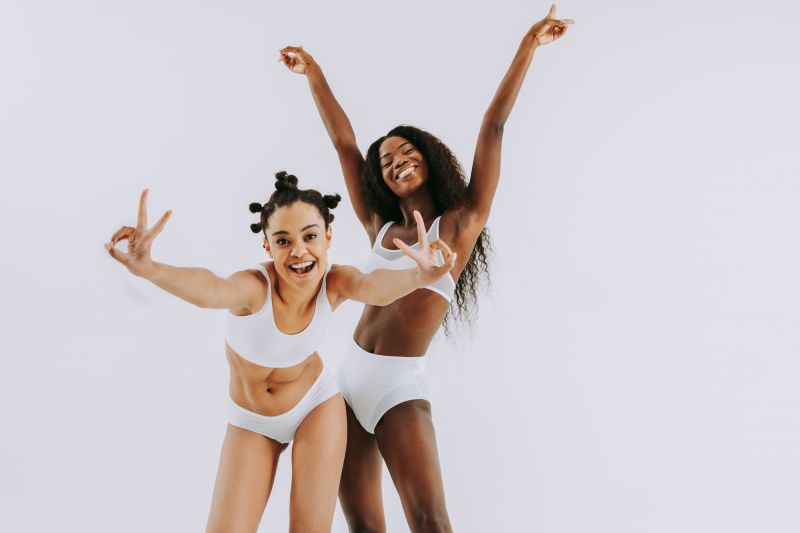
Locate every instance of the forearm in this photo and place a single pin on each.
(506, 95)
(333, 116)
(382, 287)
(197, 286)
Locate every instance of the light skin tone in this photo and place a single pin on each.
(296, 235)
(406, 327)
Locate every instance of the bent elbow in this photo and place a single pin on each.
(493, 124)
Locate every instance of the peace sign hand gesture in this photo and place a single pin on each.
(137, 259)
(549, 28)
(428, 268)
(296, 59)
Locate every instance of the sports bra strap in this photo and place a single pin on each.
(434, 229)
(382, 233)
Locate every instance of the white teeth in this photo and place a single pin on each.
(408, 170)
(299, 266)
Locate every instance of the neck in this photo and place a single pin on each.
(295, 296)
(421, 201)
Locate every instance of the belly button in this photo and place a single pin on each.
(269, 389)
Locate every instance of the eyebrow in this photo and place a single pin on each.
(399, 147)
(284, 232)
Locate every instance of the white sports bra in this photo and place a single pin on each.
(396, 260)
(257, 338)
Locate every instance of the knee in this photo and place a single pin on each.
(425, 519)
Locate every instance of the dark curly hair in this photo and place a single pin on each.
(448, 188)
(287, 193)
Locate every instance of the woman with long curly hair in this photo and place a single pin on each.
(382, 376)
(279, 389)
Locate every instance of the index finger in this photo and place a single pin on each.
(422, 237)
(552, 13)
(294, 49)
(141, 222)
(441, 245)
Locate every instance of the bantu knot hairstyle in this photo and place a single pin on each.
(287, 193)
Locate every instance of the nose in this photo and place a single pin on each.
(399, 161)
(298, 250)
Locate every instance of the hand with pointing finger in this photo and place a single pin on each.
(428, 268)
(549, 28)
(137, 259)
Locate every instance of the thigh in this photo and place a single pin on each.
(246, 472)
(317, 455)
(360, 489)
(407, 441)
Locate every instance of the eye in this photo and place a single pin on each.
(408, 151)
(387, 164)
(281, 242)
(311, 236)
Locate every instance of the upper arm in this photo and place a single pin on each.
(241, 291)
(352, 163)
(344, 283)
(485, 173)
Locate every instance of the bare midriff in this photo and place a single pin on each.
(405, 327)
(270, 391)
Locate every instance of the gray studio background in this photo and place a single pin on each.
(634, 364)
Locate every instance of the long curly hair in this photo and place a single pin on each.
(448, 188)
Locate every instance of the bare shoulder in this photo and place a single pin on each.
(338, 275)
(253, 283)
(338, 282)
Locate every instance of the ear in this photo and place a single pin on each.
(328, 236)
(267, 248)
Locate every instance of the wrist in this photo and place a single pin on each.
(312, 69)
(533, 41)
(419, 278)
(146, 269)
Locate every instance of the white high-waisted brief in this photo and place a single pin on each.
(372, 384)
(282, 427)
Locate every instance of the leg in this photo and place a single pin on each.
(317, 456)
(407, 441)
(244, 480)
(360, 489)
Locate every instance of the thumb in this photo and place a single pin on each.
(451, 261)
(116, 254)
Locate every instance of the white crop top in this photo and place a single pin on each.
(396, 260)
(257, 338)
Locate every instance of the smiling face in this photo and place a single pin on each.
(298, 242)
(403, 167)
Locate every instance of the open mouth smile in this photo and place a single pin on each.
(406, 172)
(302, 268)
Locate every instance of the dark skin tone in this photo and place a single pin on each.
(405, 436)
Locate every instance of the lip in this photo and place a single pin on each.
(312, 265)
(411, 168)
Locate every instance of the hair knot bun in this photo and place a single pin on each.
(256, 228)
(285, 181)
(256, 207)
(331, 200)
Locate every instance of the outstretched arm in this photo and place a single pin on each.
(336, 123)
(486, 163)
(197, 286)
(382, 287)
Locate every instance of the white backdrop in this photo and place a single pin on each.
(634, 364)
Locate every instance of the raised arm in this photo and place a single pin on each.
(197, 286)
(486, 163)
(382, 287)
(337, 124)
